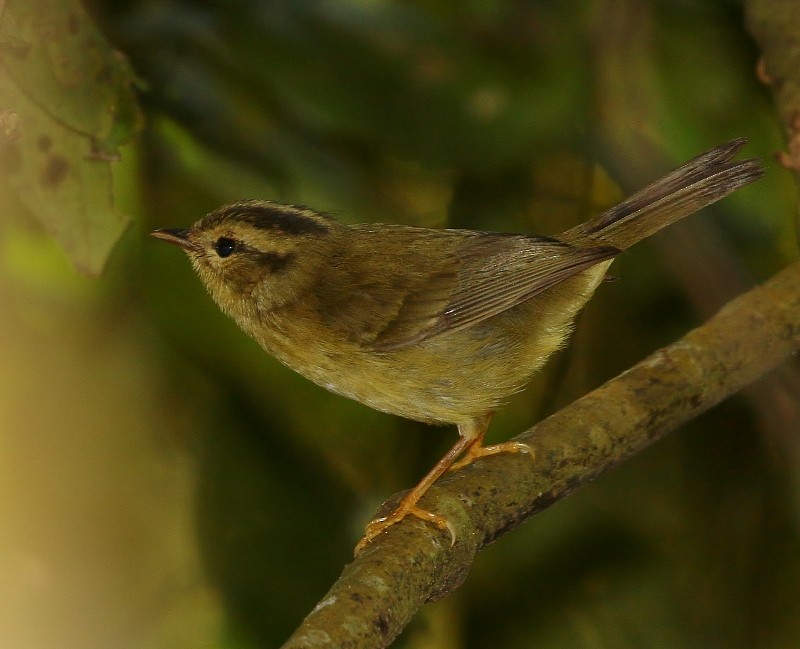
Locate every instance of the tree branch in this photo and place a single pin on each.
(412, 563)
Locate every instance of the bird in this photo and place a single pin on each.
(436, 325)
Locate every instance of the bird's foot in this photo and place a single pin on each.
(474, 452)
(378, 526)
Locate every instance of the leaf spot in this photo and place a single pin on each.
(55, 171)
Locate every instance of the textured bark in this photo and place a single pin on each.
(412, 563)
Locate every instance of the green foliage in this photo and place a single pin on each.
(66, 103)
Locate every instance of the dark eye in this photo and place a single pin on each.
(225, 247)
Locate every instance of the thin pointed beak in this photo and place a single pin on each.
(176, 237)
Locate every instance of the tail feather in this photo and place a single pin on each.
(698, 183)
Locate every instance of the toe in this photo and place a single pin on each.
(379, 525)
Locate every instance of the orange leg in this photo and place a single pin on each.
(476, 450)
(469, 446)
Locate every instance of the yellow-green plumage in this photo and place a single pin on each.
(435, 325)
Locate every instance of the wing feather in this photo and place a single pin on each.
(495, 273)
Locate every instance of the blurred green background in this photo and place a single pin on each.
(163, 483)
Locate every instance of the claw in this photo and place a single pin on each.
(474, 452)
(378, 526)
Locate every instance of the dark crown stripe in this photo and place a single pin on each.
(289, 219)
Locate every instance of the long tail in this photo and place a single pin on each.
(700, 182)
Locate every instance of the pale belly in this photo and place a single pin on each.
(453, 377)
